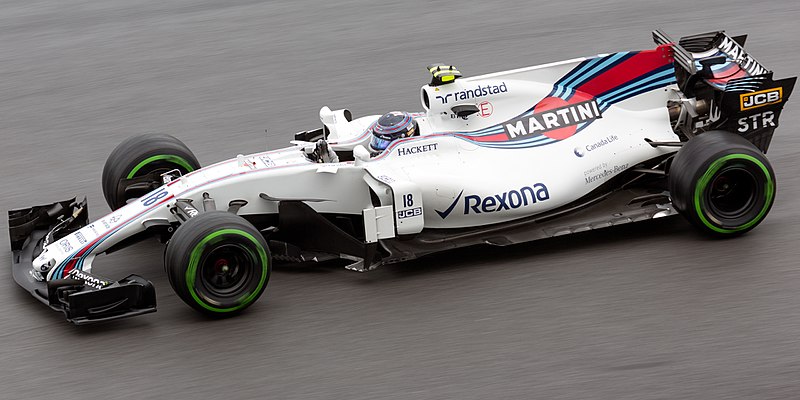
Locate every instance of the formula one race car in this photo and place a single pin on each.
(496, 159)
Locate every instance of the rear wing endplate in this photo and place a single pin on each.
(682, 56)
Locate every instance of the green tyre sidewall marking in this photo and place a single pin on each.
(161, 157)
(194, 259)
(769, 191)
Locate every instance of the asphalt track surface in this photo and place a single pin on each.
(651, 311)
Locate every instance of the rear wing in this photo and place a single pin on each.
(740, 93)
(719, 57)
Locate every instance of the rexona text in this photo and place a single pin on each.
(512, 199)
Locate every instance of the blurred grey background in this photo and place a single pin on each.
(651, 311)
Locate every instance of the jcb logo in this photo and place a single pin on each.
(761, 98)
(413, 212)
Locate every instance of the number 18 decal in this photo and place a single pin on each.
(154, 197)
(408, 200)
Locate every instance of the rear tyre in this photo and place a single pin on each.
(134, 167)
(722, 183)
(218, 263)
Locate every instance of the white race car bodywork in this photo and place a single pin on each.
(441, 179)
(497, 159)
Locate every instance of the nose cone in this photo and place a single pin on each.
(43, 262)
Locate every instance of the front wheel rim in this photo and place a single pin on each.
(226, 269)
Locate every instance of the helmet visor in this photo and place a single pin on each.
(379, 143)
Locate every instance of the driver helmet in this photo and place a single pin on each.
(392, 126)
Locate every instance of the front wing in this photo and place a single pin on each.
(84, 298)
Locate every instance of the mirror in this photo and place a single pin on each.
(464, 110)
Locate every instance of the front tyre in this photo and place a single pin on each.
(721, 183)
(135, 166)
(218, 263)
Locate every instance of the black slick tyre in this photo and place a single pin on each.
(138, 162)
(722, 183)
(218, 263)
